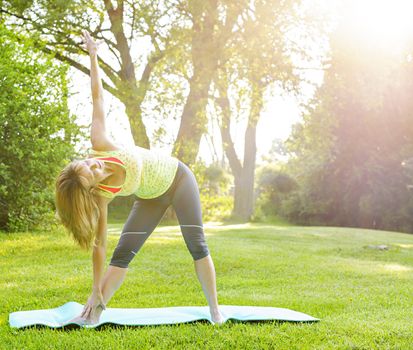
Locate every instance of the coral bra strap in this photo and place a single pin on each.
(111, 160)
(107, 188)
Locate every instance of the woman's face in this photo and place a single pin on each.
(93, 170)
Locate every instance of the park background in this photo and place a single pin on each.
(295, 116)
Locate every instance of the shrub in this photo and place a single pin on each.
(36, 135)
(273, 187)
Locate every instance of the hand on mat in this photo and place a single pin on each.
(78, 320)
(89, 44)
(93, 308)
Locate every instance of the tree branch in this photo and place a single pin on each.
(70, 46)
(80, 67)
(116, 19)
(225, 128)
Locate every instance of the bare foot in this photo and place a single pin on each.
(216, 317)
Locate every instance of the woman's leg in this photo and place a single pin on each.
(187, 205)
(205, 271)
(112, 280)
(142, 221)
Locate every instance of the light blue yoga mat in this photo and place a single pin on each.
(61, 316)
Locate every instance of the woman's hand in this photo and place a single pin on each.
(89, 44)
(93, 308)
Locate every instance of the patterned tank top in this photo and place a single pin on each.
(148, 174)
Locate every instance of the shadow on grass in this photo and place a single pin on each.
(106, 326)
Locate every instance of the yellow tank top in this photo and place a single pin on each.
(149, 174)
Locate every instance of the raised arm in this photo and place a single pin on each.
(98, 136)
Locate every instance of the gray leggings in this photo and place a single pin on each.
(146, 214)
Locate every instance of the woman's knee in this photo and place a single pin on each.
(128, 246)
(195, 241)
(121, 258)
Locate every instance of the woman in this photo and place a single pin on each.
(85, 188)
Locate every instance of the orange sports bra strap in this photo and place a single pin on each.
(111, 160)
(110, 189)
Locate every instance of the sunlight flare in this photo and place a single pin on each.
(396, 268)
(385, 21)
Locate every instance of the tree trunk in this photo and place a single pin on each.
(193, 120)
(244, 182)
(131, 96)
(205, 60)
(243, 199)
(134, 112)
(209, 37)
(243, 173)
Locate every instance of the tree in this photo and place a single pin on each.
(36, 135)
(57, 25)
(258, 58)
(213, 24)
(347, 154)
(201, 27)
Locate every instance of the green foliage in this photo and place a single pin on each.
(260, 63)
(120, 207)
(216, 208)
(212, 179)
(214, 186)
(154, 26)
(273, 187)
(347, 153)
(36, 135)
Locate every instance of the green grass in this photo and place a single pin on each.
(363, 296)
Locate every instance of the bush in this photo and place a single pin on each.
(273, 187)
(212, 179)
(37, 133)
(214, 186)
(216, 208)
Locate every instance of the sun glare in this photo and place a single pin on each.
(387, 22)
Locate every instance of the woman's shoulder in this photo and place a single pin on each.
(103, 198)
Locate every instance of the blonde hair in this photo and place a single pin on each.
(76, 204)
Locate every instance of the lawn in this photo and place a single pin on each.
(363, 295)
